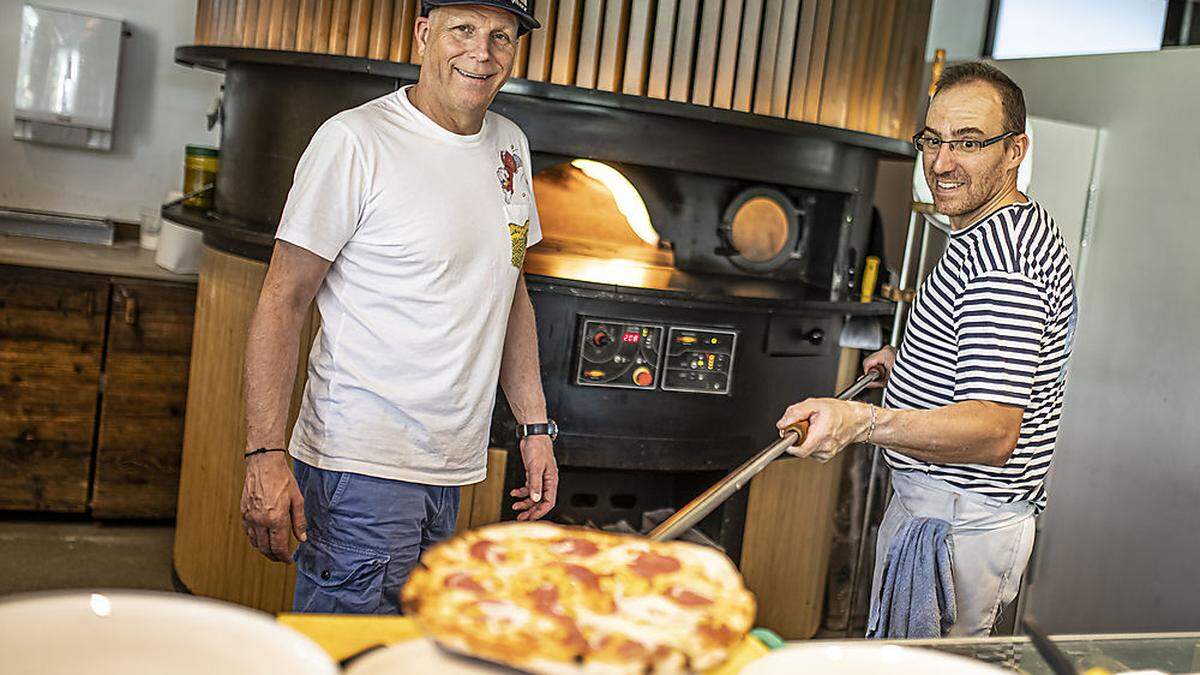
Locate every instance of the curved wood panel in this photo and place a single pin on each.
(212, 556)
(856, 64)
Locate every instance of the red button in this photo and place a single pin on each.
(642, 377)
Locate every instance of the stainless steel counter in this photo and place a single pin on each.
(1116, 653)
(122, 259)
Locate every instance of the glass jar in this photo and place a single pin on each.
(199, 171)
(148, 236)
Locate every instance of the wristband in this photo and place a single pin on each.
(871, 431)
(261, 451)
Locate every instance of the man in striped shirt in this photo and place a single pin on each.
(974, 396)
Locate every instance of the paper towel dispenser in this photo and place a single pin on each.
(66, 78)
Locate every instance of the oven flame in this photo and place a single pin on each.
(629, 202)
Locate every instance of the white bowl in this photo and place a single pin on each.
(134, 632)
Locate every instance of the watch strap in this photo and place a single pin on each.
(548, 428)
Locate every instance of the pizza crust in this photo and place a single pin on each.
(552, 599)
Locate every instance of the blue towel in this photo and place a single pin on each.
(916, 596)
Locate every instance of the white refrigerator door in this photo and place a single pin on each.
(1064, 155)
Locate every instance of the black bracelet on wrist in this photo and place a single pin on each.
(261, 451)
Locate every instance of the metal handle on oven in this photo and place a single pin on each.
(695, 511)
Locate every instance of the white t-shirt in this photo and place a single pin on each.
(427, 231)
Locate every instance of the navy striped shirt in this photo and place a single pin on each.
(993, 321)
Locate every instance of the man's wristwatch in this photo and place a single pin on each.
(548, 428)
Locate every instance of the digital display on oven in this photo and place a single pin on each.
(614, 353)
(627, 355)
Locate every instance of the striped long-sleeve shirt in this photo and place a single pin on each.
(993, 321)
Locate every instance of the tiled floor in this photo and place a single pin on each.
(39, 555)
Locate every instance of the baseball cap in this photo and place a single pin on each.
(523, 9)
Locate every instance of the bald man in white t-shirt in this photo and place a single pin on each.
(407, 222)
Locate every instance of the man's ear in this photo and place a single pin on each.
(421, 33)
(1017, 148)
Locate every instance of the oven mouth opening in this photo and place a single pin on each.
(591, 210)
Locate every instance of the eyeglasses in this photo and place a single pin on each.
(963, 146)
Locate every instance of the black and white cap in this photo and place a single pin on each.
(523, 9)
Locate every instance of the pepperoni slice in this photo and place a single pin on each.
(721, 635)
(649, 565)
(683, 596)
(583, 575)
(573, 639)
(463, 582)
(482, 550)
(632, 649)
(575, 546)
(545, 599)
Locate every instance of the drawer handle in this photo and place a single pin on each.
(131, 310)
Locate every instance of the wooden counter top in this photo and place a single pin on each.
(122, 259)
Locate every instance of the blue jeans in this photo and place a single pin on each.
(365, 535)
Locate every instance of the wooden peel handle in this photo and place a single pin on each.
(800, 429)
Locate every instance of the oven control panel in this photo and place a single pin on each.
(631, 355)
(619, 354)
(699, 360)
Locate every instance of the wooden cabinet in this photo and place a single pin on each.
(93, 382)
(145, 391)
(51, 349)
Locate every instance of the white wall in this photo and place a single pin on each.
(1119, 547)
(959, 27)
(160, 109)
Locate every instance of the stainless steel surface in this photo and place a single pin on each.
(1050, 653)
(1117, 547)
(61, 227)
(123, 259)
(898, 319)
(864, 528)
(923, 257)
(861, 332)
(1164, 652)
(695, 511)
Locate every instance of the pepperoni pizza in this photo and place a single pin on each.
(551, 599)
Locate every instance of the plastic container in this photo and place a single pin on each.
(148, 234)
(200, 170)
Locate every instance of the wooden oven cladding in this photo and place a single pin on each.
(854, 64)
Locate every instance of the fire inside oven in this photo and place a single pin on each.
(660, 381)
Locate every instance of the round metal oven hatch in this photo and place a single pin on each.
(760, 229)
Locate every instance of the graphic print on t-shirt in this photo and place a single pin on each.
(519, 235)
(510, 164)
